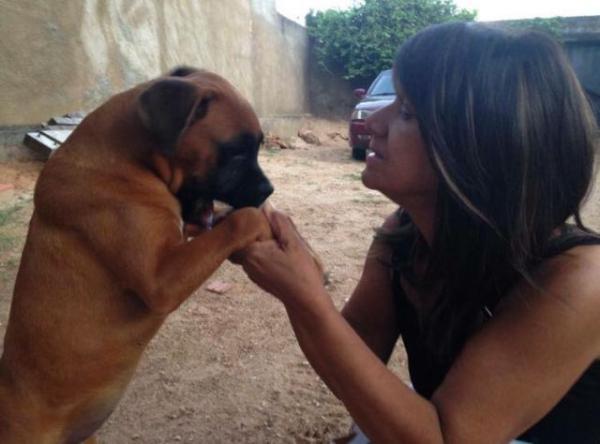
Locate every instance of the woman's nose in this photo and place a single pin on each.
(375, 123)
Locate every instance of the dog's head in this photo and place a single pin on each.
(211, 133)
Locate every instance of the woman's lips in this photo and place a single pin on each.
(374, 158)
(374, 153)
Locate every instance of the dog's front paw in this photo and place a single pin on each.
(249, 225)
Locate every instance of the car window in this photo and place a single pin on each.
(383, 85)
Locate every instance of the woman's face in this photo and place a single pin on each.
(398, 165)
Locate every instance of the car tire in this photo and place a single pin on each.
(359, 153)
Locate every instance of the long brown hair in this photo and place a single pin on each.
(513, 139)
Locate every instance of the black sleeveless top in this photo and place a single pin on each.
(575, 419)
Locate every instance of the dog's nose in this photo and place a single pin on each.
(265, 189)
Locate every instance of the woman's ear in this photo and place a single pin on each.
(168, 107)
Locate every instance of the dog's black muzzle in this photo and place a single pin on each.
(251, 191)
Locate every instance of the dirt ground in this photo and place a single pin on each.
(226, 368)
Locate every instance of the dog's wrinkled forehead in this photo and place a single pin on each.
(196, 105)
(229, 108)
(207, 80)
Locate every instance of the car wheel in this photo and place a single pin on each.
(359, 153)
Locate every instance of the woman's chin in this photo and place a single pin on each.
(369, 179)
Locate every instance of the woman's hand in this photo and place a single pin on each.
(284, 266)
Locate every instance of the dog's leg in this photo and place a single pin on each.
(156, 261)
(183, 268)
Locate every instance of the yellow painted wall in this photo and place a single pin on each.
(58, 56)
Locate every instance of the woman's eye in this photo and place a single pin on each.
(405, 113)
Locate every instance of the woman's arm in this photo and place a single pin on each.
(519, 366)
(371, 310)
(373, 395)
(383, 406)
(508, 376)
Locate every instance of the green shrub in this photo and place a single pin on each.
(359, 42)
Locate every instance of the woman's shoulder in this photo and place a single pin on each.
(568, 237)
(572, 260)
(563, 292)
(569, 269)
(575, 271)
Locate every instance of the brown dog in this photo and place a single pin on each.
(106, 259)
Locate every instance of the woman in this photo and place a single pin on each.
(488, 150)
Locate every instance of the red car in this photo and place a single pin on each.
(381, 93)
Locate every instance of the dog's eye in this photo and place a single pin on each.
(242, 148)
(202, 108)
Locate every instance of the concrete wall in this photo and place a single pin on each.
(58, 56)
(581, 36)
(581, 41)
(580, 29)
(331, 97)
(585, 58)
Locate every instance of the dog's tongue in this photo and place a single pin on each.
(206, 215)
(201, 220)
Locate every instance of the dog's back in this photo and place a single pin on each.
(65, 364)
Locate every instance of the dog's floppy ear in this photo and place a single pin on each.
(168, 107)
